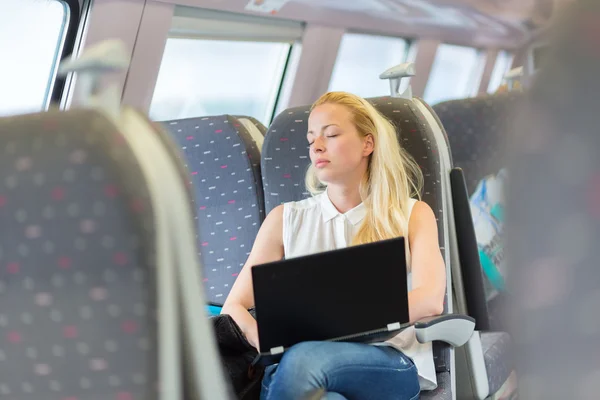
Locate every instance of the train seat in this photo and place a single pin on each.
(285, 159)
(222, 154)
(77, 250)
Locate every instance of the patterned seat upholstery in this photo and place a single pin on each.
(224, 163)
(476, 132)
(285, 159)
(77, 291)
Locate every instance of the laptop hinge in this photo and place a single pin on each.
(393, 327)
(276, 350)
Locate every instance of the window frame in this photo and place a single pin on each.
(198, 23)
(410, 41)
(282, 82)
(289, 76)
(59, 85)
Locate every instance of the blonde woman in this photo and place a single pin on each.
(363, 186)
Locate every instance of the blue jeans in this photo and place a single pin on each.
(338, 371)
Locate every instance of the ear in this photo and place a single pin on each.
(368, 145)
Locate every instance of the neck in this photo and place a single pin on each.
(344, 198)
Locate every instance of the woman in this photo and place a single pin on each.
(362, 183)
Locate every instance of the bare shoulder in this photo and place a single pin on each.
(271, 229)
(422, 210)
(275, 216)
(422, 218)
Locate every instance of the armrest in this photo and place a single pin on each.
(454, 329)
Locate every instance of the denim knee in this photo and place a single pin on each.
(303, 363)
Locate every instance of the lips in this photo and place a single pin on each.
(321, 163)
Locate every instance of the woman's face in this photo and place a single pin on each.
(337, 150)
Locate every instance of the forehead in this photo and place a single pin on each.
(328, 113)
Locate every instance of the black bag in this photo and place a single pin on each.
(237, 355)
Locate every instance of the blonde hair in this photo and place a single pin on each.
(392, 177)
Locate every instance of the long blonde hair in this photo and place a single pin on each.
(392, 177)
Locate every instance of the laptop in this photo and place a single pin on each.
(356, 294)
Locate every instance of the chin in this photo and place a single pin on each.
(324, 176)
(328, 178)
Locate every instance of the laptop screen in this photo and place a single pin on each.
(333, 294)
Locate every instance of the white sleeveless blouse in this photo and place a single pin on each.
(314, 225)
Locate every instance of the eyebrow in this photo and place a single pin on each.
(322, 129)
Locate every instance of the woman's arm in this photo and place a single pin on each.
(267, 247)
(426, 298)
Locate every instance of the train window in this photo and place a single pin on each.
(34, 35)
(501, 67)
(211, 77)
(361, 59)
(456, 73)
(224, 63)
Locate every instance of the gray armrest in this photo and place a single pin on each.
(454, 329)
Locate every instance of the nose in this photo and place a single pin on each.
(319, 144)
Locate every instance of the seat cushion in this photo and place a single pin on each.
(443, 391)
(498, 358)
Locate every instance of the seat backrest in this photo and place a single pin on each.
(256, 129)
(77, 256)
(285, 159)
(476, 132)
(224, 163)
